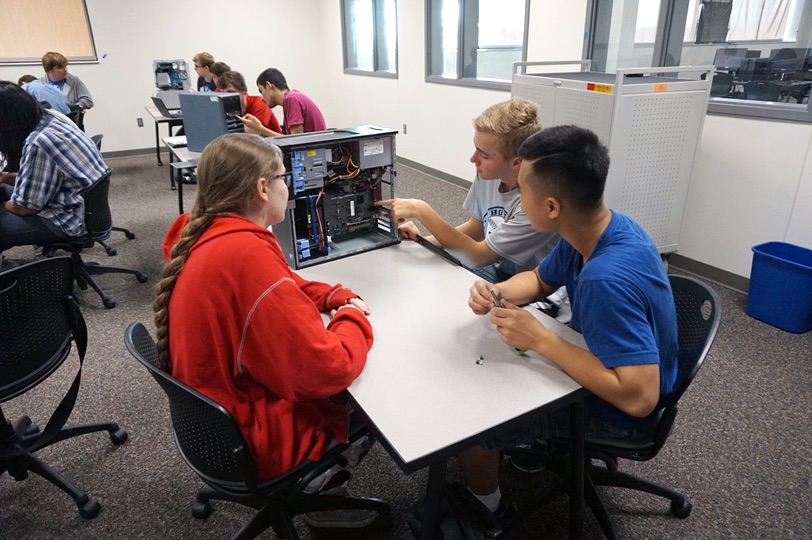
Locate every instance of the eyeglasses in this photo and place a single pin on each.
(286, 177)
(197, 66)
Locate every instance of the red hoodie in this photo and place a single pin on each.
(247, 332)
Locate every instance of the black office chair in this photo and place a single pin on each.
(698, 314)
(211, 444)
(76, 115)
(39, 318)
(98, 224)
(722, 85)
(762, 90)
(97, 139)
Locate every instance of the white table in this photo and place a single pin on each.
(158, 118)
(422, 390)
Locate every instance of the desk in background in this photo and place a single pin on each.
(180, 159)
(158, 118)
(422, 389)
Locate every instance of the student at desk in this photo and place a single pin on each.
(498, 231)
(235, 323)
(205, 78)
(621, 301)
(46, 161)
(301, 113)
(233, 81)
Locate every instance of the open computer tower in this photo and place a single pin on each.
(336, 177)
(171, 74)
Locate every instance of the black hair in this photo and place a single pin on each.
(19, 116)
(570, 163)
(273, 76)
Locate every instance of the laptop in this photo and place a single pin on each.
(161, 106)
(489, 273)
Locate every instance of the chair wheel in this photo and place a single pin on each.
(129, 235)
(111, 251)
(90, 508)
(119, 436)
(142, 278)
(109, 303)
(201, 510)
(682, 510)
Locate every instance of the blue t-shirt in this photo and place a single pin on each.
(621, 303)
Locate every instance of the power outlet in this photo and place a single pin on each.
(140, 122)
(404, 129)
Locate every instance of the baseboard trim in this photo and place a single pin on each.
(440, 175)
(711, 273)
(135, 152)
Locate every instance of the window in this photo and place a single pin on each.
(475, 41)
(370, 29)
(762, 49)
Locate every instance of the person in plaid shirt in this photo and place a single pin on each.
(46, 161)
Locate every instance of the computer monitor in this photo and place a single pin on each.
(729, 59)
(207, 115)
(171, 74)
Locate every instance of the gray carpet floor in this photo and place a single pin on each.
(740, 449)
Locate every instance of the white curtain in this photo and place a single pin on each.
(758, 19)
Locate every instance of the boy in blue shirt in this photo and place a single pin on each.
(618, 288)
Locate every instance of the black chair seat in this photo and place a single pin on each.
(40, 319)
(98, 224)
(211, 444)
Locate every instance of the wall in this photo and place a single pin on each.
(753, 181)
(130, 35)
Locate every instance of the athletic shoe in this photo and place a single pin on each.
(345, 518)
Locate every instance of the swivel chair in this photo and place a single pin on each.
(98, 224)
(211, 444)
(40, 318)
(698, 314)
(97, 139)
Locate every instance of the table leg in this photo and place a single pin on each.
(434, 490)
(576, 487)
(180, 191)
(158, 144)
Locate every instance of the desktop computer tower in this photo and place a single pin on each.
(335, 178)
(207, 115)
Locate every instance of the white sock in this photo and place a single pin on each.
(491, 501)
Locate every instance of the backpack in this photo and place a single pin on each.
(460, 517)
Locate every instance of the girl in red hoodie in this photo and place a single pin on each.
(235, 323)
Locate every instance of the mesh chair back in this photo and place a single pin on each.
(97, 140)
(37, 315)
(98, 220)
(698, 314)
(206, 434)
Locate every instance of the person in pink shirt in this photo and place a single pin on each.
(301, 114)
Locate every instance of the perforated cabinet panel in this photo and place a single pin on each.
(541, 95)
(652, 132)
(654, 140)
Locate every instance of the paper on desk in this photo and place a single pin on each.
(176, 141)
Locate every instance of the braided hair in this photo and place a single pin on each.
(227, 176)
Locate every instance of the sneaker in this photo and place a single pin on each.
(532, 458)
(343, 518)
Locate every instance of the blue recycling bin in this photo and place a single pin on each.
(781, 286)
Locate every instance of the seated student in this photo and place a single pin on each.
(621, 301)
(47, 95)
(217, 69)
(48, 162)
(498, 231)
(254, 341)
(233, 81)
(300, 112)
(205, 78)
(56, 75)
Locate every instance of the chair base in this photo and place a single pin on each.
(598, 476)
(278, 514)
(111, 251)
(18, 462)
